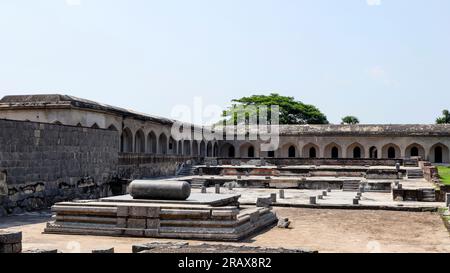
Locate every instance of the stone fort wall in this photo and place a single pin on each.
(41, 164)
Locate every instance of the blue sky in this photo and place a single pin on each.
(385, 61)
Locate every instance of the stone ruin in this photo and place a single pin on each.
(162, 209)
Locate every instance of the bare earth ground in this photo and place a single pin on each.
(315, 229)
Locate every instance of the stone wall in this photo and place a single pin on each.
(41, 164)
(137, 166)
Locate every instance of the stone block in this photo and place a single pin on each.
(203, 189)
(355, 201)
(320, 197)
(153, 212)
(137, 212)
(217, 187)
(324, 193)
(107, 250)
(136, 223)
(6, 248)
(134, 232)
(281, 194)
(264, 202)
(254, 217)
(10, 237)
(122, 211)
(273, 197)
(312, 200)
(121, 222)
(152, 224)
(151, 233)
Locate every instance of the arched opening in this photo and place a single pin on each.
(309, 152)
(391, 152)
(216, 150)
(95, 126)
(195, 148)
(151, 143)
(172, 146)
(334, 152)
(415, 150)
(187, 147)
(356, 152)
(139, 142)
(202, 148)
(231, 151)
(373, 152)
(251, 152)
(291, 151)
(209, 150)
(126, 140)
(162, 141)
(439, 153)
(180, 147)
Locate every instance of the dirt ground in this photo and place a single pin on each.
(315, 229)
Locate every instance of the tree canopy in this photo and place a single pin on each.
(350, 120)
(445, 119)
(291, 111)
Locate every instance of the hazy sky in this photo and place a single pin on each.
(384, 61)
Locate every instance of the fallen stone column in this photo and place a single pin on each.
(160, 190)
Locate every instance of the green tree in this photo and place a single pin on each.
(291, 111)
(445, 119)
(350, 120)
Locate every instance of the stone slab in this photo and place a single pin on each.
(194, 199)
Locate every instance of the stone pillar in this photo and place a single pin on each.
(217, 188)
(324, 193)
(281, 194)
(312, 200)
(355, 201)
(203, 189)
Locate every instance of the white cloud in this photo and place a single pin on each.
(73, 2)
(378, 73)
(373, 2)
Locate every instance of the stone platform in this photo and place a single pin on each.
(201, 217)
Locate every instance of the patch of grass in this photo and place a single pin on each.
(444, 174)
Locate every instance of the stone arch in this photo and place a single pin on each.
(139, 142)
(439, 153)
(373, 152)
(152, 143)
(247, 150)
(289, 150)
(186, 147)
(414, 150)
(356, 150)
(126, 141)
(202, 148)
(195, 147)
(227, 150)
(333, 150)
(390, 151)
(310, 150)
(162, 144)
(172, 146)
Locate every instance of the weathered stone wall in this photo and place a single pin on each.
(41, 164)
(137, 166)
